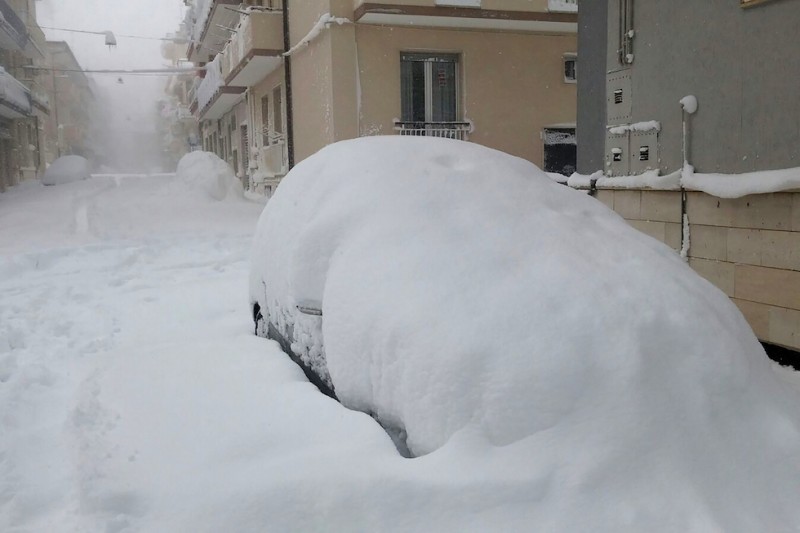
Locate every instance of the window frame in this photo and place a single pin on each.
(567, 57)
(429, 58)
(277, 111)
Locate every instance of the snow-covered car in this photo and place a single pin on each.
(448, 290)
(67, 169)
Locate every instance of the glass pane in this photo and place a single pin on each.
(265, 120)
(412, 90)
(277, 112)
(443, 94)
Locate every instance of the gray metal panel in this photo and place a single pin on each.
(643, 151)
(741, 64)
(618, 97)
(617, 154)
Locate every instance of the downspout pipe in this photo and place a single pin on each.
(287, 73)
(689, 107)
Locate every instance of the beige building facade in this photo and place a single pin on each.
(749, 247)
(177, 124)
(491, 72)
(70, 129)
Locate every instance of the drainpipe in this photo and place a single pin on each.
(689, 107)
(287, 73)
(55, 110)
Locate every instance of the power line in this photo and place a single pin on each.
(133, 72)
(175, 40)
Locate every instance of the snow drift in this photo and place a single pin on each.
(207, 173)
(67, 169)
(467, 298)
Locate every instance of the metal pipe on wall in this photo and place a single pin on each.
(287, 67)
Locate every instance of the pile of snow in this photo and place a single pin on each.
(689, 104)
(650, 125)
(67, 169)
(205, 172)
(474, 303)
(738, 185)
(719, 185)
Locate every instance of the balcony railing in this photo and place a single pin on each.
(9, 20)
(255, 49)
(14, 94)
(446, 130)
(210, 85)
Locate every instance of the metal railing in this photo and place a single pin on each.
(445, 130)
(12, 20)
(14, 94)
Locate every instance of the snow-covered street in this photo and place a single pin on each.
(135, 397)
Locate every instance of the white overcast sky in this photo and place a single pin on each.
(134, 101)
(149, 18)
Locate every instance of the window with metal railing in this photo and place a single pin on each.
(430, 92)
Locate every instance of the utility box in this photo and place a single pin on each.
(643, 151)
(619, 100)
(617, 154)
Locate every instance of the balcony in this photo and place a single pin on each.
(13, 33)
(550, 16)
(214, 98)
(15, 98)
(41, 102)
(255, 50)
(445, 130)
(209, 33)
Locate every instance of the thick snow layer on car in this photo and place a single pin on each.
(67, 169)
(466, 297)
(205, 172)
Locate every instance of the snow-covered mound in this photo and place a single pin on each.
(466, 296)
(207, 173)
(67, 169)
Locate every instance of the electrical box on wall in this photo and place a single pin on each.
(617, 155)
(644, 151)
(631, 152)
(619, 100)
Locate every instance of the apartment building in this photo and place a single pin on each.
(738, 60)
(24, 108)
(70, 90)
(284, 79)
(177, 126)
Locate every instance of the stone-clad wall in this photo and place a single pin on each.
(748, 247)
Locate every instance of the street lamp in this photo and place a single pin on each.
(110, 39)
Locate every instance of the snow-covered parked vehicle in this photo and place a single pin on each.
(457, 293)
(67, 169)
